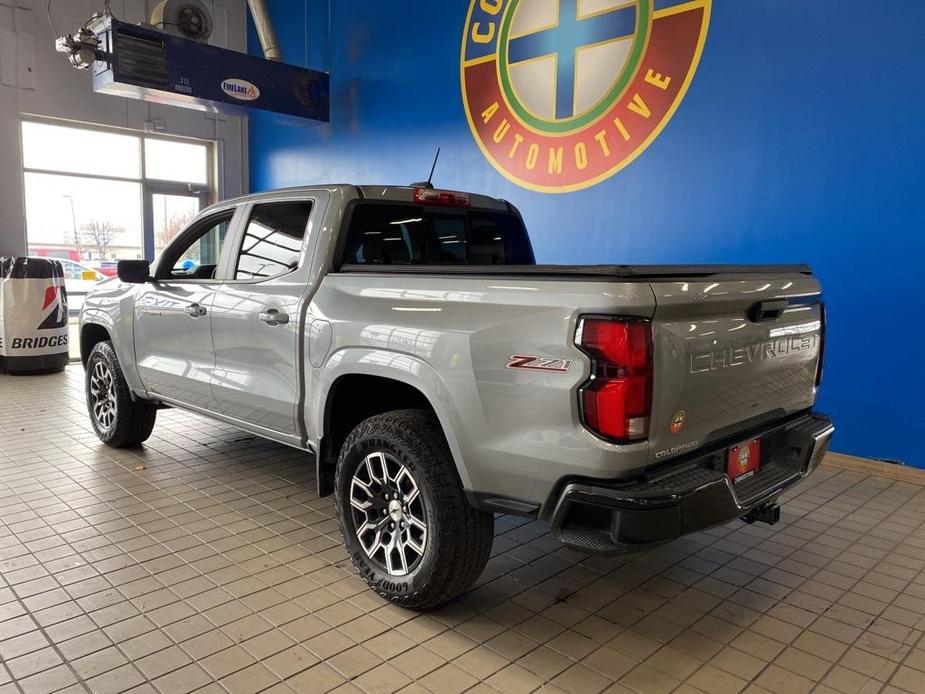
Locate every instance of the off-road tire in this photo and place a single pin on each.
(133, 419)
(459, 537)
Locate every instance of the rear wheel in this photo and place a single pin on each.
(407, 526)
(117, 419)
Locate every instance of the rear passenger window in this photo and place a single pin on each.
(273, 239)
(411, 235)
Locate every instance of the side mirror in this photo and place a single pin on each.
(134, 271)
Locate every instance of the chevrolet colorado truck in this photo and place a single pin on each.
(406, 338)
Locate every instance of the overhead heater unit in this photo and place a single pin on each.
(168, 62)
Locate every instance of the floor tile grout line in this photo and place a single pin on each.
(832, 665)
(65, 661)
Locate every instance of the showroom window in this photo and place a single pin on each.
(97, 195)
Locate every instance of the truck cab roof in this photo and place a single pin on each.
(400, 193)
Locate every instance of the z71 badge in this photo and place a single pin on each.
(520, 361)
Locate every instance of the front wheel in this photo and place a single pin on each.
(117, 419)
(406, 523)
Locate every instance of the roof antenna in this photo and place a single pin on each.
(427, 183)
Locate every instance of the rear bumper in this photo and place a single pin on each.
(612, 517)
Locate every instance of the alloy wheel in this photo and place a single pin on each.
(103, 395)
(388, 513)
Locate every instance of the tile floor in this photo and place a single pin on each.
(206, 562)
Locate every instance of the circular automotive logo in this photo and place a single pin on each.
(561, 94)
(744, 457)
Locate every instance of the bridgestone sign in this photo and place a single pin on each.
(33, 316)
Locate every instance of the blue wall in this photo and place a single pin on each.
(801, 139)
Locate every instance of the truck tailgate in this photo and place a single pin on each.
(731, 351)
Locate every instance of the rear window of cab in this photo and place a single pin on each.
(386, 234)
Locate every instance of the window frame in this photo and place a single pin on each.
(244, 210)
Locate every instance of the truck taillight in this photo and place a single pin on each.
(616, 401)
(450, 198)
(821, 359)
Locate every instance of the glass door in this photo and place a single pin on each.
(169, 213)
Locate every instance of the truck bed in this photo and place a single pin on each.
(623, 272)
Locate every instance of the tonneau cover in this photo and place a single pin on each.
(643, 272)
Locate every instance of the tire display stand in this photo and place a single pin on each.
(33, 316)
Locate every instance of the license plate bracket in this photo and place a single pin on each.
(744, 461)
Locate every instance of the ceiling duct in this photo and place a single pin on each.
(265, 31)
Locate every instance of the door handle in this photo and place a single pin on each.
(195, 310)
(274, 316)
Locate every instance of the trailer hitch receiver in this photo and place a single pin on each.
(766, 513)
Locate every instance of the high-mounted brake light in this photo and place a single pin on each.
(450, 198)
(821, 359)
(616, 401)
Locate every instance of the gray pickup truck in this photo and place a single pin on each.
(406, 338)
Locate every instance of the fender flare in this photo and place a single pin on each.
(396, 366)
(125, 354)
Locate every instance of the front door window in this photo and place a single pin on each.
(197, 255)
